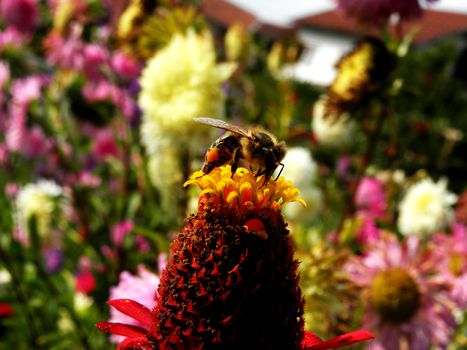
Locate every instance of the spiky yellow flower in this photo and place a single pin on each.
(243, 189)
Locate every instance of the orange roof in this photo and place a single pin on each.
(227, 14)
(432, 25)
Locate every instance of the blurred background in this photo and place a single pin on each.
(97, 138)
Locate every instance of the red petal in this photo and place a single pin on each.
(340, 341)
(133, 309)
(141, 343)
(310, 339)
(121, 329)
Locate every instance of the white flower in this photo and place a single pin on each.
(180, 82)
(331, 130)
(301, 169)
(40, 200)
(426, 207)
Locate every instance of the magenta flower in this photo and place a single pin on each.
(370, 198)
(406, 302)
(104, 144)
(377, 12)
(368, 232)
(125, 66)
(66, 53)
(22, 15)
(96, 59)
(120, 230)
(452, 250)
(140, 287)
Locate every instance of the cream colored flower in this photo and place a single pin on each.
(40, 200)
(301, 170)
(331, 130)
(180, 82)
(426, 207)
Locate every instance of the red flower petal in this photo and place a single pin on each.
(133, 309)
(310, 339)
(141, 343)
(312, 342)
(121, 329)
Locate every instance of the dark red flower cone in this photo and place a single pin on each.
(231, 281)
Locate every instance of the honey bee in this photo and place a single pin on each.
(259, 148)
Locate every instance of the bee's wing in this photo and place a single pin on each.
(217, 123)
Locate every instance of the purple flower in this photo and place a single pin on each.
(22, 15)
(140, 287)
(120, 230)
(370, 198)
(53, 259)
(378, 12)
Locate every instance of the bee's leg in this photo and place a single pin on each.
(235, 161)
(280, 171)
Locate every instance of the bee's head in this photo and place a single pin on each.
(279, 151)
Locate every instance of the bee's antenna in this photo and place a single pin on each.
(280, 172)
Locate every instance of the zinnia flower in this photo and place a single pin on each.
(180, 82)
(231, 280)
(378, 12)
(426, 207)
(406, 303)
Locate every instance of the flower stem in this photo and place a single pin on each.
(22, 299)
(373, 137)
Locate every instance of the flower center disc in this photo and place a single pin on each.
(395, 295)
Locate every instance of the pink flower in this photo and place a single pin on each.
(377, 12)
(370, 198)
(4, 74)
(104, 144)
(120, 230)
(87, 179)
(66, 53)
(11, 38)
(20, 14)
(368, 232)
(15, 135)
(36, 143)
(3, 154)
(95, 60)
(125, 66)
(27, 89)
(405, 301)
(102, 90)
(140, 287)
(452, 251)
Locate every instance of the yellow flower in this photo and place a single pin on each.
(360, 72)
(180, 82)
(244, 189)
